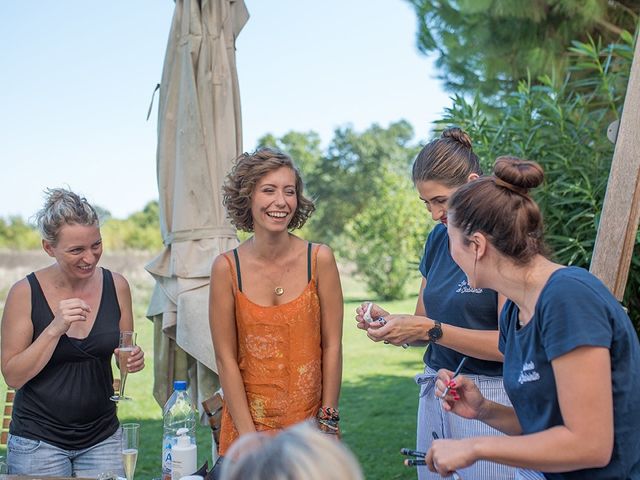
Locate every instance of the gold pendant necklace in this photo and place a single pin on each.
(277, 288)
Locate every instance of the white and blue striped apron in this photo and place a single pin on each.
(432, 418)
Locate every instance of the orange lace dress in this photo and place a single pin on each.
(279, 355)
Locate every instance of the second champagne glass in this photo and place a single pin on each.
(125, 347)
(130, 434)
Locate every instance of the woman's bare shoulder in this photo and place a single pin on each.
(325, 253)
(119, 280)
(19, 289)
(220, 265)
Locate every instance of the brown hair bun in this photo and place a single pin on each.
(458, 135)
(519, 173)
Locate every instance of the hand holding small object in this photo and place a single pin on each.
(455, 374)
(368, 318)
(454, 474)
(367, 313)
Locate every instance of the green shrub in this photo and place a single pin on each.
(16, 234)
(387, 236)
(562, 125)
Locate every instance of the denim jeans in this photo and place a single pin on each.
(35, 457)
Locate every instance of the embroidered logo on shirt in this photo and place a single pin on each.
(464, 287)
(528, 373)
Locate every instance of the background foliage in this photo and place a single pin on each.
(564, 129)
(540, 80)
(139, 231)
(489, 46)
(16, 234)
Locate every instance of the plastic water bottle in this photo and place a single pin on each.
(179, 451)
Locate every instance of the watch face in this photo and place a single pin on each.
(435, 333)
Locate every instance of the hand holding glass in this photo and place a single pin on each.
(126, 346)
(130, 435)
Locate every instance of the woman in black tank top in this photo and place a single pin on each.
(60, 328)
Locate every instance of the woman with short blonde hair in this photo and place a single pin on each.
(300, 452)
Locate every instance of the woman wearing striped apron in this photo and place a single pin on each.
(452, 318)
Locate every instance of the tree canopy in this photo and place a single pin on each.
(488, 46)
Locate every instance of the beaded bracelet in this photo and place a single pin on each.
(328, 413)
(329, 426)
(328, 420)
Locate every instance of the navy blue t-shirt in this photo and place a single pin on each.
(574, 309)
(449, 299)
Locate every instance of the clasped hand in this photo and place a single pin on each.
(69, 311)
(396, 329)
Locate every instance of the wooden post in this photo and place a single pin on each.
(621, 210)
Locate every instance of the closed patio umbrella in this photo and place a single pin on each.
(199, 136)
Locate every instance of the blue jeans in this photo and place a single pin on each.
(35, 457)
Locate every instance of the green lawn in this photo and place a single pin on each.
(378, 403)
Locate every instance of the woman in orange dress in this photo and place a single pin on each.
(275, 307)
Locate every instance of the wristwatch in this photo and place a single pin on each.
(435, 332)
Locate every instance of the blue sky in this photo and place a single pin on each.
(76, 79)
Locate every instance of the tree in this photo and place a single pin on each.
(148, 217)
(563, 128)
(303, 147)
(387, 236)
(140, 231)
(16, 234)
(488, 46)
(344, 182)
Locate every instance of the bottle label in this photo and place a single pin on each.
(167, 463)
(184, 461)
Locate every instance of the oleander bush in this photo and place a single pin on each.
(562, 124)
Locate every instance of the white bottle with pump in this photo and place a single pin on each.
(179, 416)
(184, 455)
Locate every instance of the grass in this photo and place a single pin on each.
(378, 402)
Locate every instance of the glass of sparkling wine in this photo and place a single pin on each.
(130, 437)
(126, 346)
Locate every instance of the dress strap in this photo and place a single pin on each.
(309, 263)
(312, 262)
(235, 254)
(234, 284)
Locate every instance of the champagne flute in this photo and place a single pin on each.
(130, 435)
(125, 347)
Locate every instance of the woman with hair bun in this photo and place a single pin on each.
(275, 307)
(60, 328)
(571, 355)
(454, 319)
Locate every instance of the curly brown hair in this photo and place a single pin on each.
(249, 168)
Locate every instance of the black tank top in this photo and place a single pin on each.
(67, 404)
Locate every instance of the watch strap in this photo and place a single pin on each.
(435, 332)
